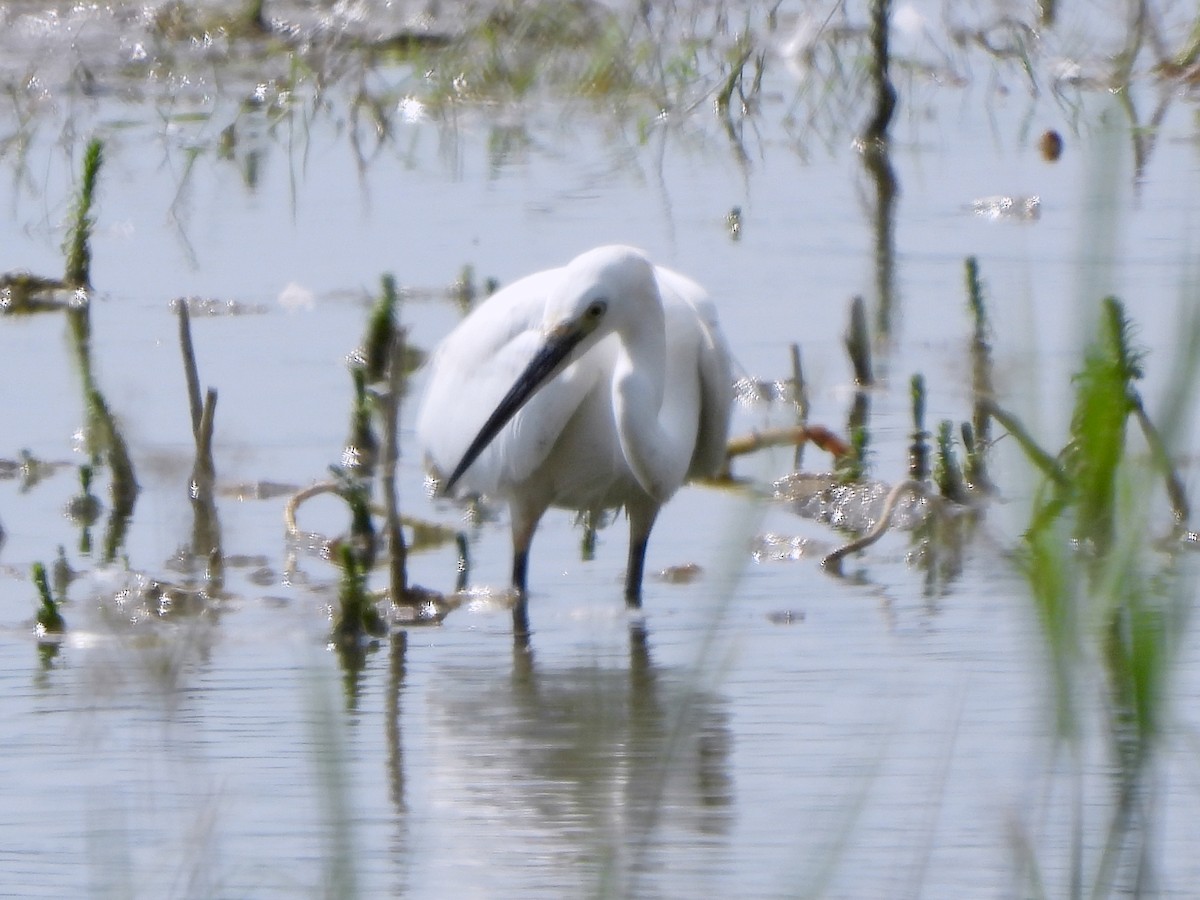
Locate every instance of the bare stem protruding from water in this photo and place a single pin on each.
(189, 365)
(801, 399)
(799, 386)
(206, 526)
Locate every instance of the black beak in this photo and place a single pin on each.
(544, 366)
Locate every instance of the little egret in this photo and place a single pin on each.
(602, 384)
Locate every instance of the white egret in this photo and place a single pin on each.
(602, 384)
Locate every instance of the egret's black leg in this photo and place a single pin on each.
(520, 606)
(519, 570)
(641, 520)
(633, 574)
(524, 524)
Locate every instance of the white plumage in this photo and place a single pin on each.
(601, 384)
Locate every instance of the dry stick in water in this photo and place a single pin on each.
(293, 503)
(292, 527)
(206, 530)
(777, 437)
(204, 468)
(189, 365)
(801, 398)
(833, 560)
(799, 385)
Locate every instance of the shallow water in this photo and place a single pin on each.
(763, 730)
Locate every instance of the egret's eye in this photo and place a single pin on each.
(596, 309)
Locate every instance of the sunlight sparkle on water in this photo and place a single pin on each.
(411, 110)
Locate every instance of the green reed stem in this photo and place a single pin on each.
(78, 246)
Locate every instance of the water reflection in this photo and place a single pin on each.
(596, 767)
(876, 149)
(102, 435)
(391, 719)
(877, 160)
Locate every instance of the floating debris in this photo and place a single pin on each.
(1050, 144)
(683, 574)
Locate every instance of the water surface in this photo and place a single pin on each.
(765, 730)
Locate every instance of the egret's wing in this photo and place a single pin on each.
(716, 396)
(471, 371)
(715, 370)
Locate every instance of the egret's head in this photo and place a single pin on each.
(602, 291)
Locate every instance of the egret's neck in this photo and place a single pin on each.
(643, 354)
(656, 457)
